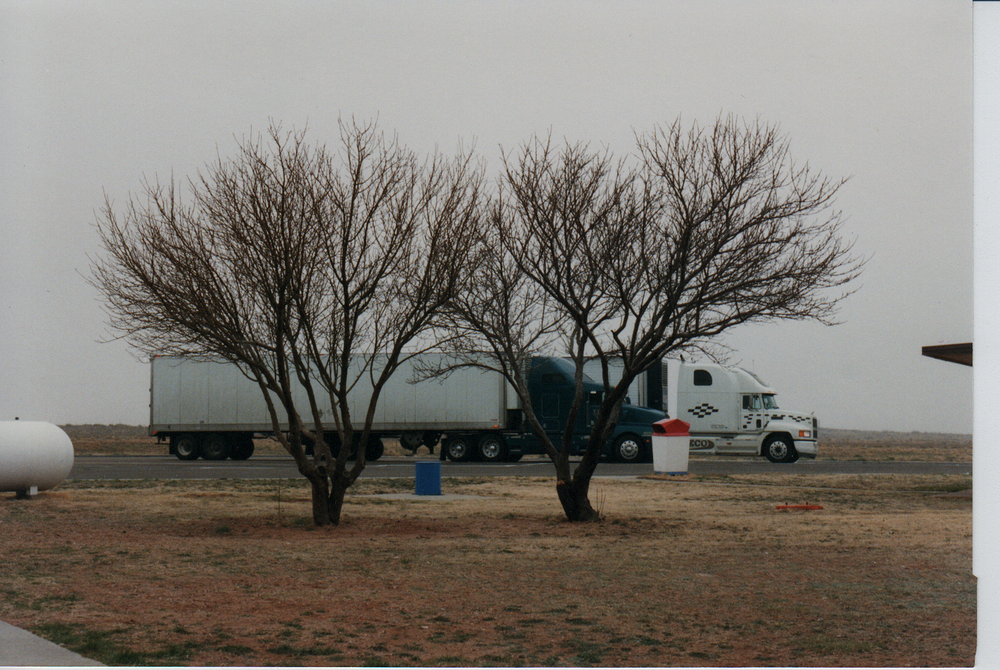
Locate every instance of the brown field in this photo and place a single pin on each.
(682, 572)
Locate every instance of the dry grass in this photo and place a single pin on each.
(681, 572)
(855, 445)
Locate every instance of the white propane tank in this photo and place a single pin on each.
(34, 456)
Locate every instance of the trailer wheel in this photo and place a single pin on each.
(332, 439)
(430, 439)
(187, 447)
(780, 449)
(242, 448)
(375, 448)
(492, 449)
(410, 441)
(628, 448)
(216, 448)
(457, 448)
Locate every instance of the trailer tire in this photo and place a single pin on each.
(242, 449)
(629, 448)
(492, 449)
(411, 441)
(215, 448)
(780, 449)
(187, 447)
(457, 448)
(375, 448)
(332, 439)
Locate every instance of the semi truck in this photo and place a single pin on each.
(210, 409)
(730, 410)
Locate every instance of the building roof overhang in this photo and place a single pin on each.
(953, 353)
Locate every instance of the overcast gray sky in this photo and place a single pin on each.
(93, 96)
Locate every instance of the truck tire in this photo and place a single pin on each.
(457, 448)
(187, 447)
(629, 448)
(242, 448)
(411, 441)
(215, 448)
(492, 449)
(375, 448)
(430, 439)
(780, 449)
(332, 439)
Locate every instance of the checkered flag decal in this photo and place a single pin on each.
(792, 417)
(703, 410)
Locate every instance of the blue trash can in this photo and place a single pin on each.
(428, 478)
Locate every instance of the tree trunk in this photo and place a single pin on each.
(575, 499)
(573, 489)
(328, 496)
(320, 501)
(338, 488)
(321, 510)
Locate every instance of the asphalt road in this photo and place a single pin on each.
(168, 467)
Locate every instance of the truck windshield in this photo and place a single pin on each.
(770, 402)
(567, 368)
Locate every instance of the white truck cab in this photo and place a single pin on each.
(732, 411)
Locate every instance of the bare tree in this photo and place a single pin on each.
(712, 229)
(305, 270)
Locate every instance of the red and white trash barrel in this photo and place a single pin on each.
(671, 443)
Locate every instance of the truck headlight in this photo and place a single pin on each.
(805, 433)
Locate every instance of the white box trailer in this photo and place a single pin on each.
(731, 410)
(189, 394)
(201, 405)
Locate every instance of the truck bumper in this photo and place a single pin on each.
(806, 448)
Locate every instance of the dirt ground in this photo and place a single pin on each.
(682, 572)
